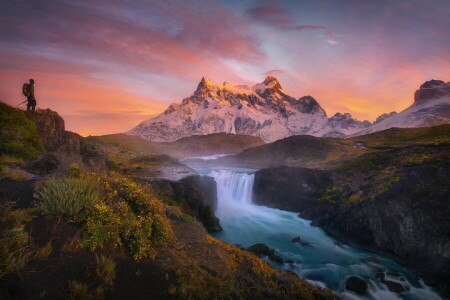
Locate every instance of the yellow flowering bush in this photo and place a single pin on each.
(129, 216)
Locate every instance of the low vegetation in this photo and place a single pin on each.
(15, 248)
(402, 137)
(66, 197)
(19, 138)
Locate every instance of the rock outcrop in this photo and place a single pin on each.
(195, 194)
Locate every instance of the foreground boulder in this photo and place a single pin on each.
(357, 285)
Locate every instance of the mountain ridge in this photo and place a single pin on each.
(267, 111)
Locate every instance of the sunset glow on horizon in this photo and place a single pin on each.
(105, 66)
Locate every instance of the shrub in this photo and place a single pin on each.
(106, 271)
(129, 215)
(75, 171)
(66, 197)
(44, 252)
(18, 134)
(15, 249)
(80, 291)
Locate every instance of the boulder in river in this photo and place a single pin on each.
(357, 285)
(261, 249)
(296, 239)
(394, 286)
(276, 258)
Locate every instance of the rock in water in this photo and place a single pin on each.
(357, 285)
(261, 249)
(394, 286)
(296, 239)
(276, 258)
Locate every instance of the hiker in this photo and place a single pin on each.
(28, 91)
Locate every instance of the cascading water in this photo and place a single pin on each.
(234, 190)
(319, 258)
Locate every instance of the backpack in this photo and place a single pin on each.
(25, 90)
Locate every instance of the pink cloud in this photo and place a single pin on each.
(277, 16)
(276, 73)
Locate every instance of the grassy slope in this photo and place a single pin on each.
(326, 153)
(401, 137)
(190, 146)
(198, 145)
(300, 150)
(18, 138)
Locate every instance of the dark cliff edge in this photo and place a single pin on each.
(197, 195)
(394, 203)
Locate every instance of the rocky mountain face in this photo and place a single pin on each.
(264, 110)
(267, 111)
(431, 107)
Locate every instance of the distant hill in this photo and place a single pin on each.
(314, 152)
(197, 145)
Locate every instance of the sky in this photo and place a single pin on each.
(107, 65)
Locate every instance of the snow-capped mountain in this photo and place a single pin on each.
(431, 107)
(263, 110)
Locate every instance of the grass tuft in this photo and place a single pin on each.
(66, 197)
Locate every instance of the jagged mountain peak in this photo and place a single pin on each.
(432, 84)
(272, 82)
(430, 90)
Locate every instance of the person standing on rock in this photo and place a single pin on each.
(28, 91)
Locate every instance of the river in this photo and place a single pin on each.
(318, 258)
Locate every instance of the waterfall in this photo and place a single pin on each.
(234, 190)
(320, 259)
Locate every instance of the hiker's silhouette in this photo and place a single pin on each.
(28, 91)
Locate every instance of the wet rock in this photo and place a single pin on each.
(290, 261)
(261, 249)
(372, 259)
(380, 276)
(394, 286)
(357, 285)
(296, 239)
(276, 258)
(291, 273)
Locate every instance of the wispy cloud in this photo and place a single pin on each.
(274, 14)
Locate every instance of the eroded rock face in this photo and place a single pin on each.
(51, 130)
(195, 194)
(430, 90)
(287, 188)
(50, 127)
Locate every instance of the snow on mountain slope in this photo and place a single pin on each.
(263, 110)
(431, 107)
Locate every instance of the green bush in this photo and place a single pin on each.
(18, 134)
(15, 249)
(128, 215)
(66, 197)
